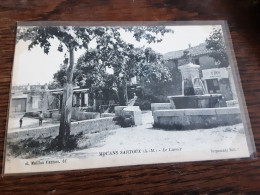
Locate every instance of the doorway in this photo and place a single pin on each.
(213, 86)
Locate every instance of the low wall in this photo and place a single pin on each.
(119, 110)
(132, 112)
(161, 106)
(87, 126)
(196, 118)
(103, 115)
(232, 103)
(78, 115)
(56, 115)
(197, 101)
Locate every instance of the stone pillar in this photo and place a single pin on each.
(189, 73)
(135, 113)
(86, 98)
(130, 111)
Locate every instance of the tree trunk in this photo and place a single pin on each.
(121, 94)
(65, 120)
(125, 93)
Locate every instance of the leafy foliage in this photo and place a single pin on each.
(69, 36)
(216, 44)
(140, 62)
(111, 51)
(148, 32)
(122, 58)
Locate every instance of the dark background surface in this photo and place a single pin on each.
(199, 177)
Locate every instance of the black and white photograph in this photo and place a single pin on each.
(119, 94)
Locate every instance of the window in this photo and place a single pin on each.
(197, 61)
(213, 85)
(215, 82)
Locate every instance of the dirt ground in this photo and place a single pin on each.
(145, 136)
(14, 123)
(152, 146)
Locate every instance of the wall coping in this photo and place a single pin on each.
(159, 104)
(201, 111)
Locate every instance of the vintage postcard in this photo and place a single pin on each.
(106, 94)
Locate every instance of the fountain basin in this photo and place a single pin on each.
(182, 119)
(197, 101)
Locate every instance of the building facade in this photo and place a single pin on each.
(215, 79)
(35, 98)
(30, 98)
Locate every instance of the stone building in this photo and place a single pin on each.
(199, 54)
(35, 98)
(215, 79)
(30, 98)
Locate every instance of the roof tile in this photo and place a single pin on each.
(195, 51)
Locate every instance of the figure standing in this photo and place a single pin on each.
(21, 121)
(40, 118)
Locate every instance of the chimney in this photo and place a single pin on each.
(189, 45)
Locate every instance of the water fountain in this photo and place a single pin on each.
(194, 108)
(194, 94)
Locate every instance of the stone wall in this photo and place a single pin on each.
(119, 110)
(225, 88)
(78, 115)
(196, 118)
(161, 106)
(131, 112)
(41, 97)
(56, 114)
(103, 115)
(87, 126)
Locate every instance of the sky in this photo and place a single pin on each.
(35, 67)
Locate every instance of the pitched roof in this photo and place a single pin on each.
(195, 51)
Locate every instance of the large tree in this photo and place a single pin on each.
(74, 38)
(126, 62)
(216, 44)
